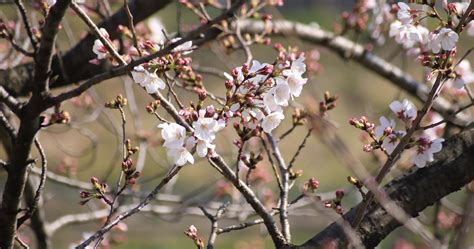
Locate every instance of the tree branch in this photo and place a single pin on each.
(18, 80)
(413, 192)
(29, 125)
(370, 61)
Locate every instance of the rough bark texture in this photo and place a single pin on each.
(19, 80)
(415, 191)
(29, 125)
(38, 218)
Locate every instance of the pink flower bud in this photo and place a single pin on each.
(268, 69)
(339, 194)
(313, 183)
(278, 46)
(202, 94)
(394, 9)
(388, 131)
(235, 72)
(84, 194)
(94, 180)
(132, 181)
(229, 84)
(245, 68)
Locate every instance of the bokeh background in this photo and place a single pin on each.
(71, 152)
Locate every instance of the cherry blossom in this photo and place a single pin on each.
(445, 39)
(270, 102)
(404, 13)
(202, 146)
(173, 134)
(271, 121)
(205, 128)
(150, 81)
(99, 48)
(392, 140)
(295, 82)
(180, 156)
(384, 124)
(408, 35)
(281, 92)
(185, 48)
(258, 68)
(405, 110)
(464, 74)
(436, 131)
(470, 28)
(425, 150)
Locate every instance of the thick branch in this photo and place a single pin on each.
(356, 52)
(29, 125)
(18, 80)
(413, 192)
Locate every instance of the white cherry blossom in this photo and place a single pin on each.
(295, 82)
(173, 134)
(384, 123)
(99, 48)
(392, 140)
(205, 128)
(269, 102)
(445, 39)
(437, 131)
(464, 73)
(150, 81)
(281, 92)
(180, 156)
(403, 13)
(408, 35)
(201, 146)
(271, 121)
(256, 66)
(425, 150)
(405, 110)
(470, 28)
(153, 83)
(185, 48)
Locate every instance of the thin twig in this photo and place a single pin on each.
(298, 151)
(150, 197)
(131, 26)
(44, 170)
(274, 168)
(285, 178)
(27, 23)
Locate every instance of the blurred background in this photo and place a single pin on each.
(89, 145)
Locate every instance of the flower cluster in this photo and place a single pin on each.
(100, 190)
(179, 143)
(336, 203)
(386, 138)
(147, 74)
(412, 35)
(256, 95)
